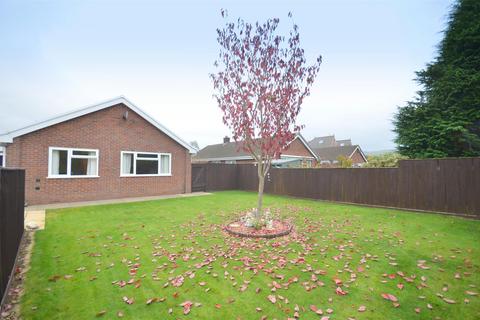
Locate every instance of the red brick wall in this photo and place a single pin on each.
(297, 148)
(357, 157)
(107, 131)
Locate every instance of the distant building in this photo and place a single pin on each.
(329, 141)
(297, 154)
(328, 157)
(329, 150)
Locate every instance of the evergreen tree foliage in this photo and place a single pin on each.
(444, 119)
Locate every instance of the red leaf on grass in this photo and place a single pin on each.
(128, 300)
(178, 281)
(390, 297)
(187, 306)
(340, 291)
(272, 298)
(315, 309)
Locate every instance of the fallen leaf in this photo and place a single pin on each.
(340, 291)
(101, 313)
(272, 298)
(316, 310)
(390, 297)
(128, 300)
(187, 306)
(178, 281)
(450, 301)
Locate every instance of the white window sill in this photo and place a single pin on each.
(144, 175)
(72, 177)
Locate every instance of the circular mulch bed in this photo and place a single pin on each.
(280, 228)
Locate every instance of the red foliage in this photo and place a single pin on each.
(262, 82)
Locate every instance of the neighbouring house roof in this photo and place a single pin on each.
(322, 142)
(345, 142)
(222, 151)
(8, 137)
(329, 141)
(332, 153)
(233, 151)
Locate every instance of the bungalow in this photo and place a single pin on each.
(104, 151)
(298, 153)
(329, 155)
(329, 149)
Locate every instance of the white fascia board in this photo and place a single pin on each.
(284, 156)
(5, 139)
(8, 137)
(224, 158)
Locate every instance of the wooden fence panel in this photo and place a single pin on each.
(221, 177)
(440, 185)
(12, 200)
(247, 177)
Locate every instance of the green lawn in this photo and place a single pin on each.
(81, 258)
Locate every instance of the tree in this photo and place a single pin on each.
(444, 119)
(194, 144)
(344, 162)
(261, 82)
(386, 160)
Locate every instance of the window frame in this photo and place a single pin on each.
(69, 162)
(135, 156)
(3, 153)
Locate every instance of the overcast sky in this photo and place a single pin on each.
(59, 56)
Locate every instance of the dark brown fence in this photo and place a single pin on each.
(12, 199)
(440, 185)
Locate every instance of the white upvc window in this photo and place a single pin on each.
(72, 163)
(144, 164)
(2, 157)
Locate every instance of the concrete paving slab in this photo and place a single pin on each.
(111, 201)
(35, 220)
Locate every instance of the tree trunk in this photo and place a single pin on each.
(261, 184)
